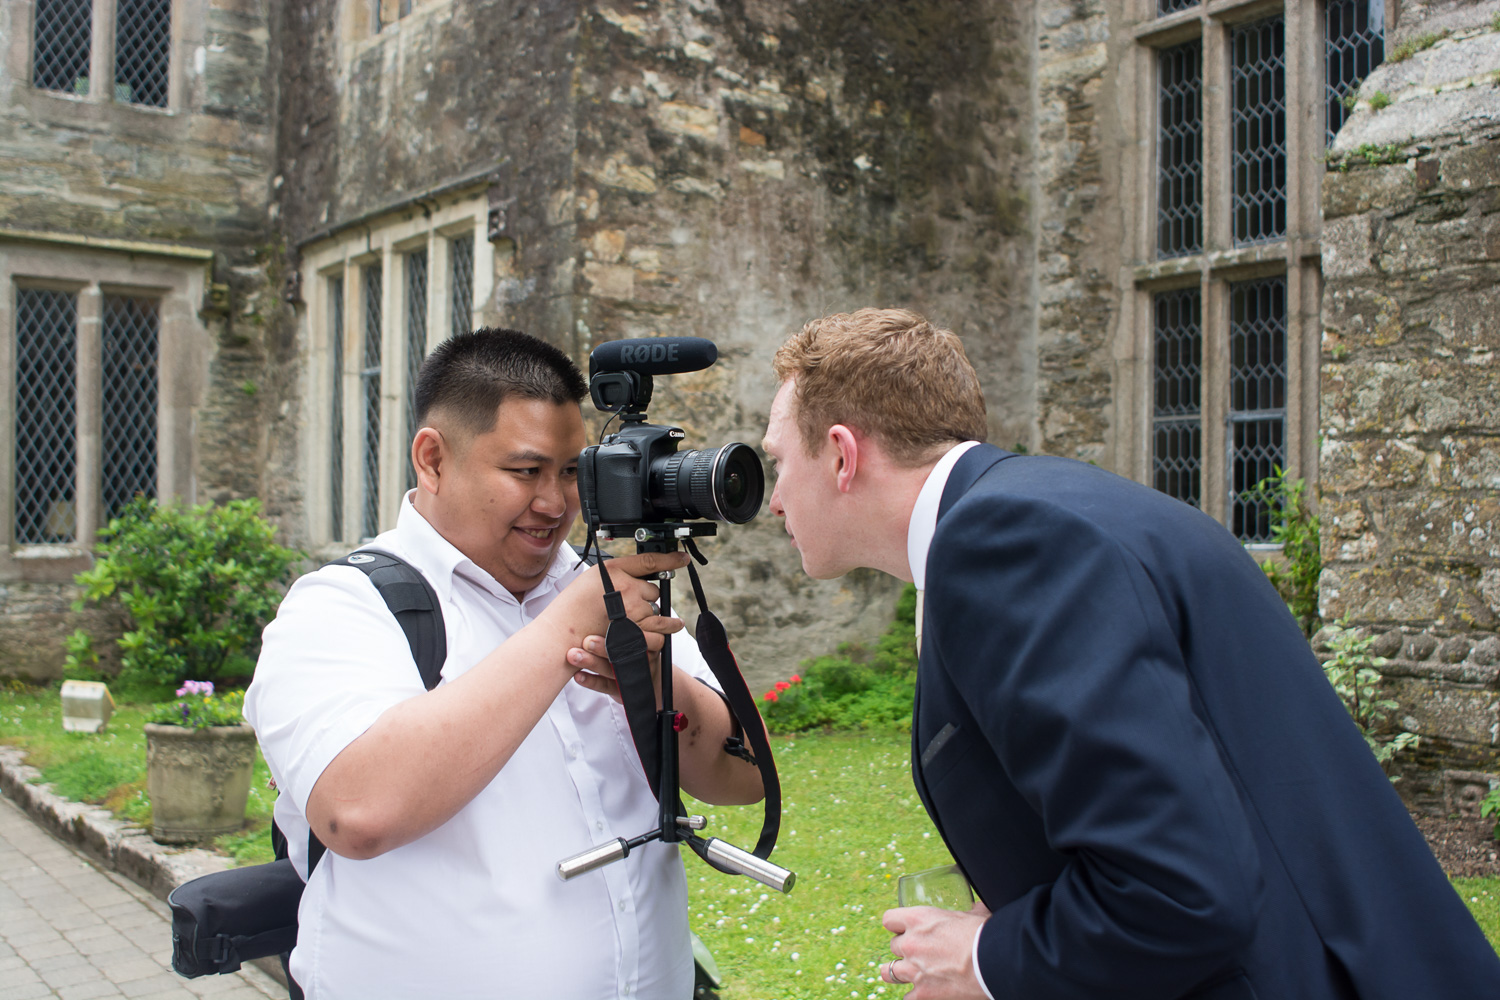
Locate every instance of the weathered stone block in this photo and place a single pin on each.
(1464, 791)
(1348, 247)
(1450, 711)
(1385, 188)
(1388, 398)
(1347, 466)
(1438, 525)
(1363, 316)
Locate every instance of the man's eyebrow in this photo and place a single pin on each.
(534, 457)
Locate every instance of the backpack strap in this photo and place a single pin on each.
(415, 604)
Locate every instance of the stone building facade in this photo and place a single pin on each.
(1128, 209)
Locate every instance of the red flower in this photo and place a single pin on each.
(796, 679)
(770, 696)
(782, 685)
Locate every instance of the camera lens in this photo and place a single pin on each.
(721, 484)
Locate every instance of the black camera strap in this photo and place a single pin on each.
(625, 644)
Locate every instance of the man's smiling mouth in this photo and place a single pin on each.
(541, 533)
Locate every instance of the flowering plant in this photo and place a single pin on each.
(197, 707)
(775, 693)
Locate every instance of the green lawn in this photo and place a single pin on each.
(851, 823)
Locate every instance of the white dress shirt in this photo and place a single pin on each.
(918, 543)
(474, 908)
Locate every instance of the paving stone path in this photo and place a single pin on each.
(71, 931)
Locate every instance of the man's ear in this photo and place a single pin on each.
(846, 449)
(429, 452)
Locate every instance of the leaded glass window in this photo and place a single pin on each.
(1179, 191)
(143, 49)
(62, 36)
(1258, 126)
(131, 333)
(416, 343)
(1354, 44)
(1165, 7)
(461, 284)
(336, 406)
(369, 375)
(46, 425)
(1257, 400)
(1177, 411)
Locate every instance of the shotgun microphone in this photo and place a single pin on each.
(653, 355)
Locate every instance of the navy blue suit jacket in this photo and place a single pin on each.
(1131, 751)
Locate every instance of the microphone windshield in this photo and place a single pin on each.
(653, 355)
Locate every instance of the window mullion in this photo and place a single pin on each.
(102, 57)
(88, 490)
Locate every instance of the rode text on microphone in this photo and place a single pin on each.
(636, 484)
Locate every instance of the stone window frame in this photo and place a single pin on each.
(383, 240)
(366, 20)
(185, 14)
(1220, 263)
(178, 278)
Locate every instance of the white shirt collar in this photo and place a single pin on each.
(924, 515)
(440, 560)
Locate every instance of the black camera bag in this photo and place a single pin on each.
(224, 919)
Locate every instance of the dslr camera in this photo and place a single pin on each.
(636, 476)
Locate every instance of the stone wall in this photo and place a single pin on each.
(1411, 396)
(684, 167)
(1078, 226)
(129, 178)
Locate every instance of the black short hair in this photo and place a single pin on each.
(469, 375)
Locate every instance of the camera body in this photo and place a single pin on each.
(637, 476)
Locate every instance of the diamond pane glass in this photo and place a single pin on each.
(1177, 364)
(1258, 125)
(1257, 400)
(1165, 7)
(129, 384)
(336, 406)
(369, 375)
(46, 425)
(1179, 145)
(63, 35)
(461, 285)
(1354, 44)
(143, 51)
(416, 343)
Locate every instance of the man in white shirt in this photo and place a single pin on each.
(446, 812)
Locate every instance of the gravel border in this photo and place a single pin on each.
(116, 845)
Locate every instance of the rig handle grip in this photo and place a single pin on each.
(742, 862)
(595, 857)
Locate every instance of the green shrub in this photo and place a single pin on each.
(1353, 671)
(1412, 46)
(856, 688)
(198, 583)
(1491, 804)
(1295, 528)
(1380, 100)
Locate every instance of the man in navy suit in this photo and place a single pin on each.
(1119, 729)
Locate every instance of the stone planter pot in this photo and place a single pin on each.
(198, 780)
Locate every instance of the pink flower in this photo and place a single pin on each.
(782, 685)
(796, 679)
(770, 696)
(195, 687)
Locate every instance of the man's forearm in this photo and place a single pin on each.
(706, 771)
(424, 759)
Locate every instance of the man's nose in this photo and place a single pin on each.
(776, 507)
(550, 498)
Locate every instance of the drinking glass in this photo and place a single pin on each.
(945, 887)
